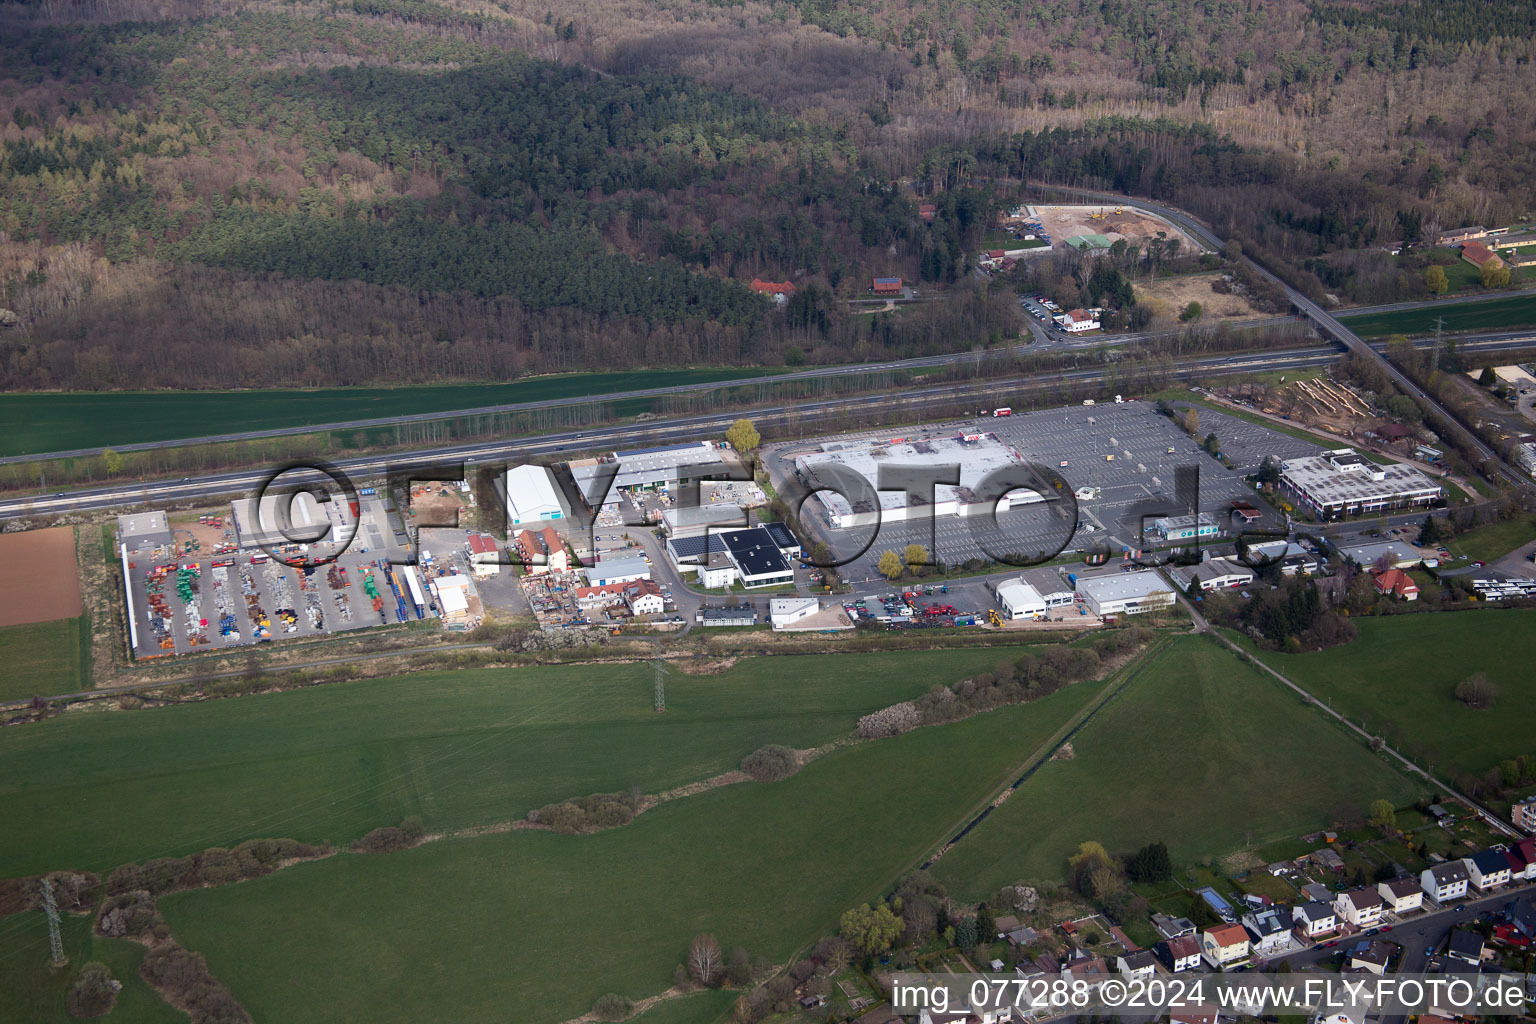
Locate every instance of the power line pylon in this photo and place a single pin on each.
(55, 943)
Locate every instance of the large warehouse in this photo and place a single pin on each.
(976, 455)
(532, 496)
(647, 469)
(1342, 482)
(1125, 593)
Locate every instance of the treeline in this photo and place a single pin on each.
(541, 267)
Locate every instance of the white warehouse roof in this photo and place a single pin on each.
(532, 496)
(1122, 586)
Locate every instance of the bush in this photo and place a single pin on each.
(132, 915)
(612, 1007)
(891, 721)
(183, 978)
(93, 992)
(772, 763)
(391, 838)
(589, 813)
(1477, 691)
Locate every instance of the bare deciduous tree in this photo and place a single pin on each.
(704, 959)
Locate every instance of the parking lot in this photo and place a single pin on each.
(1246, 444)
(1078, 443)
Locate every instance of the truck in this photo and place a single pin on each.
(1004, 411)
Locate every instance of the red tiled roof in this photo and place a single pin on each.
(773, 287)
(1397, 582)
(1476, 252)
(479, 544)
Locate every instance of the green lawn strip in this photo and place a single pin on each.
(459, 749)
(1494, 541)
(1204, 753)
(1489, 315)
(43, 658)
(32, 991)
(462, 929)
(53, 421)
(1398, 677)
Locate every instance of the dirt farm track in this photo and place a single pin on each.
(44, 584)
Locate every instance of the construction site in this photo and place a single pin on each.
(1319, 402)
(1099, 227)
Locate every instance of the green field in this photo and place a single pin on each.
(1494, 541)
(462, 930)
(44, 658)
(1199, 751)
(1399, 674)
(32, 992)
(457, 748)
(1491, 315)
(48, 422)
(703, 1007)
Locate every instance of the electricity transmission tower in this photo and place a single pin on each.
(1439, 327)
(55, 944)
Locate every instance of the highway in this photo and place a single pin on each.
(1328, 325)
(917, 401)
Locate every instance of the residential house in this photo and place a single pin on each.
(926, 211)
(1370, 956)
(1522, 860)
(1078, 320)
(1225, 945)
(1269, 930)
(780, 291)
(886, 286)
(1085, 967)
(1172, 927)
(484, 556)
(1137, 965)
(542, 551)
(643, 597)
(1359, 908)
(1487, 869)
(1178, 954)
(1523, 814)
(1523, 917)
(1327, 859)
(1397, 583)
(1401, 895)
(1465, 945)
(1199, 1013)
(1004, 924)
(1444, 882)
(1316, 920)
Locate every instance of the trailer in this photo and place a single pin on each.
(1004, 411)
(394, 587)
(413, 585)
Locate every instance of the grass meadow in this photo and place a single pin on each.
(44, 658)
(46, 422)
(1200, 751)
(1399, 675)
(460, 749)
(538, 925)
(1489, 315)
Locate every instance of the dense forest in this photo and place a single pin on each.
(383, 190)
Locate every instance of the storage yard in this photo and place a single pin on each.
(185, 595)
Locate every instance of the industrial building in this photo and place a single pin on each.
(1052, 587)
(742, 615)
(695, 521)
(1186, 528)
(976, 455)
(646, 469)
(1125, 593)
(759, 560)
(1019, 600)
(532, 496)
(1214, 574)
(309, 521)
(1341, 482)
(786, 611)
(542, 551)
(619, 570)
(706, 556)
(144, 530)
